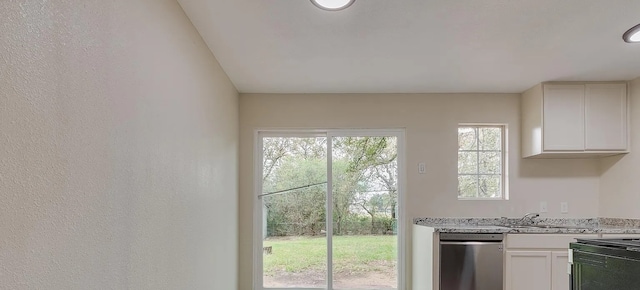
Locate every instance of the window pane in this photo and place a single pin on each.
(467, 138)
(489, 186)
(490, 138)
(467, 186)
(467, 162)
(490, 163)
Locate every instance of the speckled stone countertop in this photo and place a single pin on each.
(555, 225)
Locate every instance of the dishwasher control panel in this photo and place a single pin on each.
(484, 237)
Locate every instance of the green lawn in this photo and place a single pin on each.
(351, 254)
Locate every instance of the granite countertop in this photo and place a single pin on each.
(553, 225)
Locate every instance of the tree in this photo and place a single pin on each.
(294, 168)
(344, 189)
(364, 176)
(373, 162)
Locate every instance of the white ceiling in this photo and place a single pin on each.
(417, 46)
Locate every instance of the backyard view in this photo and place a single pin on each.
(363, 211)
(359, 261)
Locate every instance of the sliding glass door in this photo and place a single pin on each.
(293, 219)
(328, 209)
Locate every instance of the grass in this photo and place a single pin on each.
(351, 254)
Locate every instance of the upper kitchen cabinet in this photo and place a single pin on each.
(575, 120)
(563, 118)
(606, 117)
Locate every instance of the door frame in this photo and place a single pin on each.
(399, 133)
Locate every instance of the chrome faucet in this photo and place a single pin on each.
(530, 216)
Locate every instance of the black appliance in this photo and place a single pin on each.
(605, 264)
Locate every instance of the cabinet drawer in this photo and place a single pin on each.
(544, 241)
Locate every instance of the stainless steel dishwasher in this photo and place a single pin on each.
(471, 261)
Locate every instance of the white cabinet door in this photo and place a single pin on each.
(563, 111)
(559, 273)
(528, 270)
(606, 117)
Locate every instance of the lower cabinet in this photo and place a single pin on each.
(536, 270)
(538, 261)
(528, 270)
(560, 270)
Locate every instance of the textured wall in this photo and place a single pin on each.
(431, 122)
(118, 149)
(620, 185)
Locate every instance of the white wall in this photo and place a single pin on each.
(431, 122)
(118, 149)
(620, 182)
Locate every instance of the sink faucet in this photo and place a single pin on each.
(530, 216)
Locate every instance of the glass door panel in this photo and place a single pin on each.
(365, 212)
(294, 195)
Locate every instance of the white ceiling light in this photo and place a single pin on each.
(332, 5)
(632, 35)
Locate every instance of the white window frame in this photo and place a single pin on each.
(504, 174)
(258, 283)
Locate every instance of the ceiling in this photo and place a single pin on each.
(417, 46)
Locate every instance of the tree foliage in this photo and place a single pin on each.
(364, 184)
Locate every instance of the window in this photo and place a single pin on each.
(482, 162)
